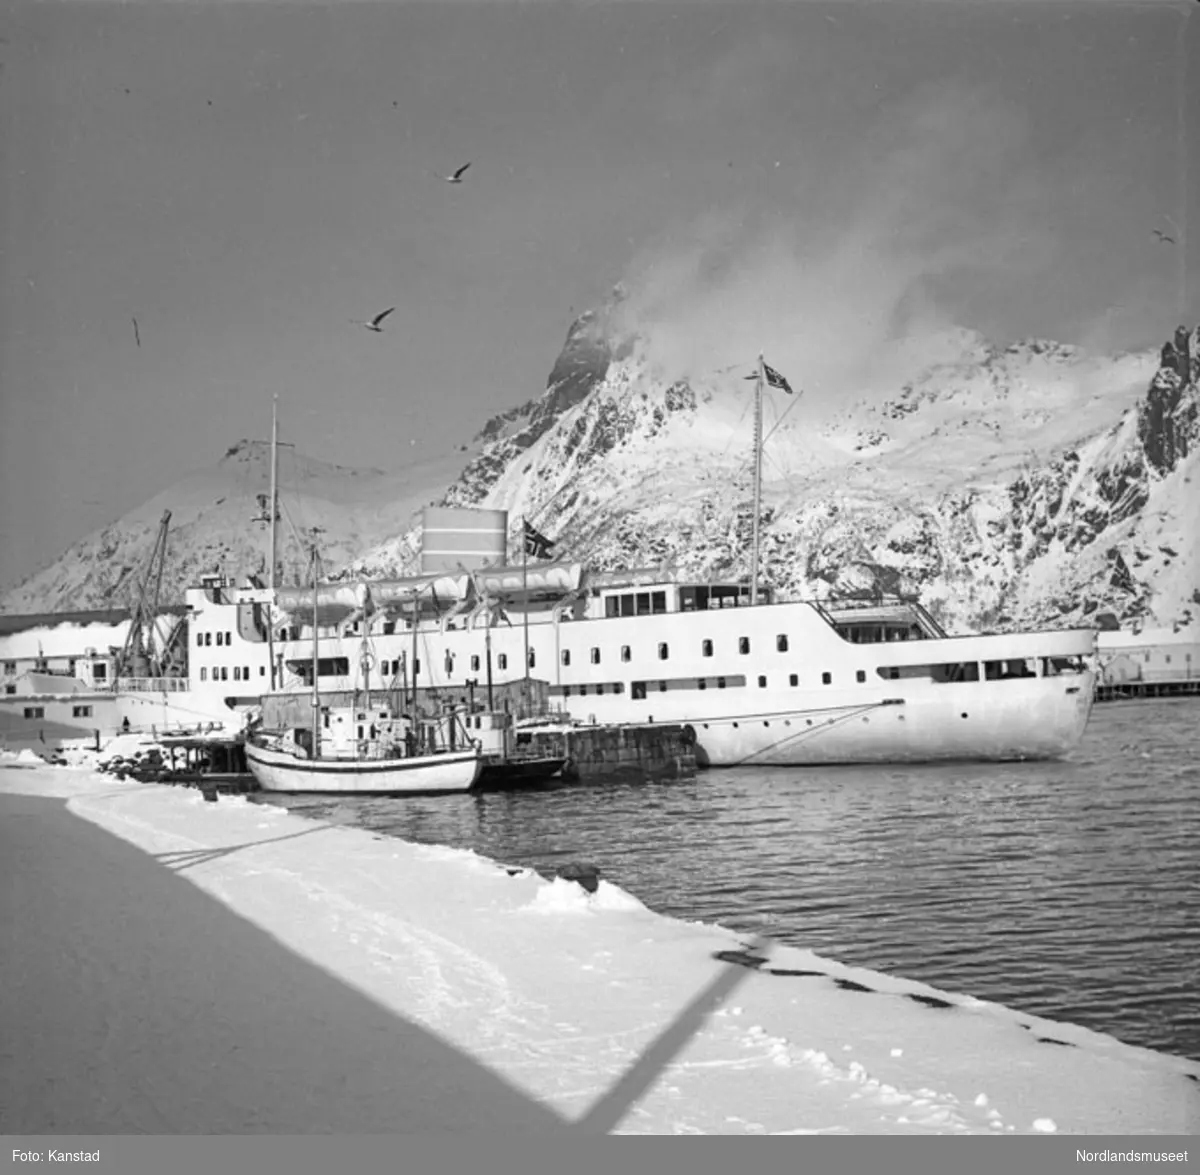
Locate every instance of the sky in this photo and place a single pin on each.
(809, 180)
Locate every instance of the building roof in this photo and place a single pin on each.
(110, 616)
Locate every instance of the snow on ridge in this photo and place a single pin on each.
(1003, 486)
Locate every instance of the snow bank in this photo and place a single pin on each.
(561, 991)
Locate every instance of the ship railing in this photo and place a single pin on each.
(532, 714)
(151, 685)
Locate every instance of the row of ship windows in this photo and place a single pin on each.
(221, 672)
(664, 652)
(947, 673)
(40, 711)
(205, 639)
(639, 689)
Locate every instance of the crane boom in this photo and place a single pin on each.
(139, 641)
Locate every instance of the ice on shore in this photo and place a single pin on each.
(562, 991)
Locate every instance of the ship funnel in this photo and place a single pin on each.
(458, 539)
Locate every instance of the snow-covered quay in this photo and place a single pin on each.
(565, 994)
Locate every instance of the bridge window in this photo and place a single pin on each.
(501, 661)
(860, 675)
(625, 653)
(1057, 666)
(720, 683)
(706, 648)
(475, 662)
(762, 681)
(204, 673)
(566, 657)
(99, 671)
(81, 711)
(743, 644)
(208, 639)
(220, 638)
(663, 652)
(35, 711)
(229, 638)
(237, 673)
(662, 687)
(950, 672)
(793, 679)
(637, 691)
(1007, 670)
(532, 658)
(781, 643)
(595, 656)
(826, 678)
(199, 641)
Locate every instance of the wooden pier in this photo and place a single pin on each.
(211, 763)
(1126, 691)
(602, 754)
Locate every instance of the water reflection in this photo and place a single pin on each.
(1069, 889)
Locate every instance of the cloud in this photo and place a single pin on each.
(865, 273)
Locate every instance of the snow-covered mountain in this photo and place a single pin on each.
(219, 521)
(1003, 486)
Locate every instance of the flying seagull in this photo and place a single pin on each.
(137, 338)
(456, 178)
(1163, 236)
(375, 323)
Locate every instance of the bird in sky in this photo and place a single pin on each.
(1163, 236)
(376, 323)
(137, 338)
(456, 178)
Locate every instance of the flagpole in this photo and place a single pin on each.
(758, 391)
(525, 593)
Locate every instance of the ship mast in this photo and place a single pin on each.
(274, 512)
(316, 690)
(758, 393)
(525, 602)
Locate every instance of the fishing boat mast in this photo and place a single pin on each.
(274, 559)
(316, 689)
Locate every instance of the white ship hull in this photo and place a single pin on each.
(979, 721)
(282, 771)
(791, 683)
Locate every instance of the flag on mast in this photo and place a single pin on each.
(537, 545)
(774, 378)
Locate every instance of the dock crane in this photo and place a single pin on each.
(137, 659)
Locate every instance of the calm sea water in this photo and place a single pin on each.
(1067, 889)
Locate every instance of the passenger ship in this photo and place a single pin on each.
(756, 681)
(768, 683)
